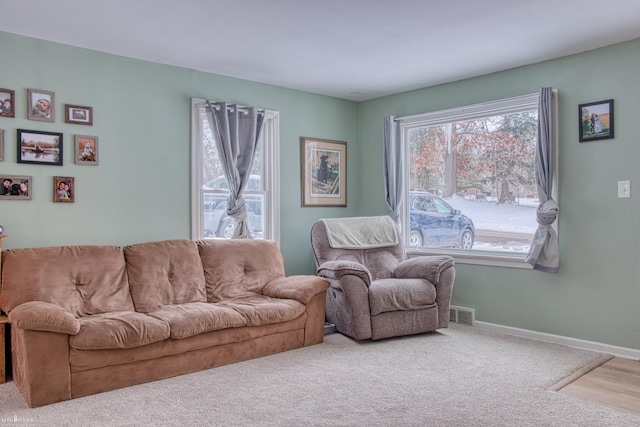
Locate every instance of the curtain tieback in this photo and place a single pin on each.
(547, 213)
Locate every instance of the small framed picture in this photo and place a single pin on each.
(16, 187)
(86, 150)
(324, 172)
(596, 120)
(41, 105)
(1, 145)
(78, 115)
(7, 103)
(43, 148)
(64, 189)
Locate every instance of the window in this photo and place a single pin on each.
(210, 189)
(470, 181)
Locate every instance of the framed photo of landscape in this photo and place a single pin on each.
(596, 120)
(15, 187)
(324, 172)
(43, 148)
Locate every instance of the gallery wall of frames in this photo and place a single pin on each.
(40, 147)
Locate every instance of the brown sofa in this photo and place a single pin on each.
(87, 319)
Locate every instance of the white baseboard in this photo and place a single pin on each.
(626, 353)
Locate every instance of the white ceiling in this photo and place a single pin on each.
(351, 49)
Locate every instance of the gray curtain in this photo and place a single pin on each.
(236, 131)
(544, 253)
(392, 166)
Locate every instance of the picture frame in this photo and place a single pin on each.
(323, 172)
(15, 187)
(41, 105)
(38, 147)
(7, 103)
(64, 189)
(595, 120)
(86, 150)
(78, 114)
(1, 145)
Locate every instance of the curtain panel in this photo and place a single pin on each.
(392, 166)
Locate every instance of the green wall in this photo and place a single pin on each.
(597, 293)
(140, 191)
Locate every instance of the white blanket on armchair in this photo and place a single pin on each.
(361, 232)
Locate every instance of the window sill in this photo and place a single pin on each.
(492, 259)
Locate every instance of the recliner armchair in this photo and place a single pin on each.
(375, 291)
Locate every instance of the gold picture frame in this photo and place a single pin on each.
(64, 189)
(324, 172)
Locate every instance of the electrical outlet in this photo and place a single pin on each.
(624, 189)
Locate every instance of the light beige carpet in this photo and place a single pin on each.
(461, 376)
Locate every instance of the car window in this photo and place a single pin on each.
(423, 204)
(442, 207)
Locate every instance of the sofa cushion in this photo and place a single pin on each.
(163, 273)
(239, 268)
(122, 329)
(400, 294)
(83, 280)
(194, 318)
(260, 310)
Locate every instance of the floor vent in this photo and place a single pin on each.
(463, 315)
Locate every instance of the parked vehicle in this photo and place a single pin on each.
(216, 221)
(434, 223)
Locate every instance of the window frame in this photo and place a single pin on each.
(469, 112)
(270, 136)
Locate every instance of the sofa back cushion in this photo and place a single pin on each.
(239, 268)
(83, 280)
(163, 273)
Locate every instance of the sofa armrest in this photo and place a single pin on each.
(300, 288)
(338, 269)
(44, 316)
(424, 267)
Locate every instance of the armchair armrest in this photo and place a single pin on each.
(44, 316)
(338, 269)
(299, 288)
(425, 267)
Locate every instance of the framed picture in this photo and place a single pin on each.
(78, 115)
(596, 120)
(16, 187)
(41, 105)
(1, 145)
(64, 189)
(86, 149)
(324, 172)
(43, 148)
(7, 103)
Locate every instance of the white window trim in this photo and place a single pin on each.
(468, 112)
(271, 150)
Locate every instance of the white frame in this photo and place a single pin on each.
(271, 150)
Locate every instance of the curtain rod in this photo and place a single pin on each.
(554, 92)
(230, 107)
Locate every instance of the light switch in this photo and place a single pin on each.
(624, 189)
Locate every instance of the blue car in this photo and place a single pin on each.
(435, 224)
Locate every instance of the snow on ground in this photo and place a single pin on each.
(487, 215)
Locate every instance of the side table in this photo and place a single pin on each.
(3, 360)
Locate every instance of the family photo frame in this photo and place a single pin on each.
(78, 115)
(7, 103)
(16, 187)
(41, 105)
(86, 149)
(595, 120)
(64, 189)
(323, 172)
(38, 147)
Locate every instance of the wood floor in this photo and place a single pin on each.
(615, 383)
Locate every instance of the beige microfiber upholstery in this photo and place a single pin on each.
(167, 272)
(376, 292)
(87, 319)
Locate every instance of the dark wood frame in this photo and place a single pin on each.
(12, 99)
(69, 111)
(585, 112)
(22, 133)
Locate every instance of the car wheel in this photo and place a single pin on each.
(466, 239)
(226, 228)
(415, 239)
